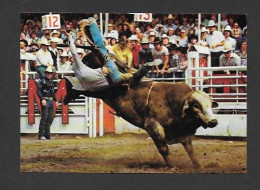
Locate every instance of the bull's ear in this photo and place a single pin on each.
(214, 104)
(185, 107)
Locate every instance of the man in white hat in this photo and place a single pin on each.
(170, 23)
(54, 51)
(145, 54)
(135, 48)
(228, 58)
(45, 91)
(228, 39)
(43, 58)
(165, 40)
(64, 64)
(216, 42)
(111, 31)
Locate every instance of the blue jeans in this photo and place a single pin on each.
(114, 74)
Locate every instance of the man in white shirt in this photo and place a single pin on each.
(160, 52)
(43, 58)
(216, 42)
(229, 59)
(228, 38)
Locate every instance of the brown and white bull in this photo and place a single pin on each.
(169, 112)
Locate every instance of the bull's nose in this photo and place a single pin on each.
(212, 123)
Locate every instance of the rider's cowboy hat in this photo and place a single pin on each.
(144, 41)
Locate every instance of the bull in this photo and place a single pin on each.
(169, 112)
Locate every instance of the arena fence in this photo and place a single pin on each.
(229, 90)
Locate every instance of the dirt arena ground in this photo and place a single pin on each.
(127, 153)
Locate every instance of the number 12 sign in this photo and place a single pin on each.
(143, 17)
(51, 21)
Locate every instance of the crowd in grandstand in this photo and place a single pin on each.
(168, 38)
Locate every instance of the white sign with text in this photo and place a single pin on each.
(143, 17)
(51, 21)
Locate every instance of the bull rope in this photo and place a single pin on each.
(147, 100)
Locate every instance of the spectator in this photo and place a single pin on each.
(183, 60)
(113, 41)
(145, 53)
(202, 41)
(34, 39)
(160, 30)
(64, 64)
(196, 26)
(123, 53)
(43, 58)
(192, 40)
(165, 40)
(111, 31)
(132, 28)
(171, 35)
(80, 52)
(169, 23)
(56, 34)
(191, 22)
(176, 22)
(191, 31)
(242, 53)
(45, 91)
(152, 36)
(228, 37)
(160, 52)
(231, 21)
(223, 21)
(135, 48)
(173, 61)
(242, 38)
(204, 20)
(185, 25)
(37, 22)
(216, 42)
(26, 31)
(125, 31)
(236, 30)
(38, 31)
(139, 33)
(183, 39)
(54, 51)
(79, 42)
(228, 58)
(68, 29)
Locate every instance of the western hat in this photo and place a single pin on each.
(170, 17)
(203, 29)
(211, 23)
(54, 40)
(64, 54)
(80, 50)
(157, 40)
(165, 36)
(133, 38)
(152, 34)
(44, 41)
(95, 16)
(228, 28)
(227, 47)
(144, 41)
(110, 25)
(25, 42)
(50, 69)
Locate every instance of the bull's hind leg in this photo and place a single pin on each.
(189, 149)
(156, 132)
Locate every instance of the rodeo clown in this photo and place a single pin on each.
(45, 91)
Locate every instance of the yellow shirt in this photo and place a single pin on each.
(124, 55)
